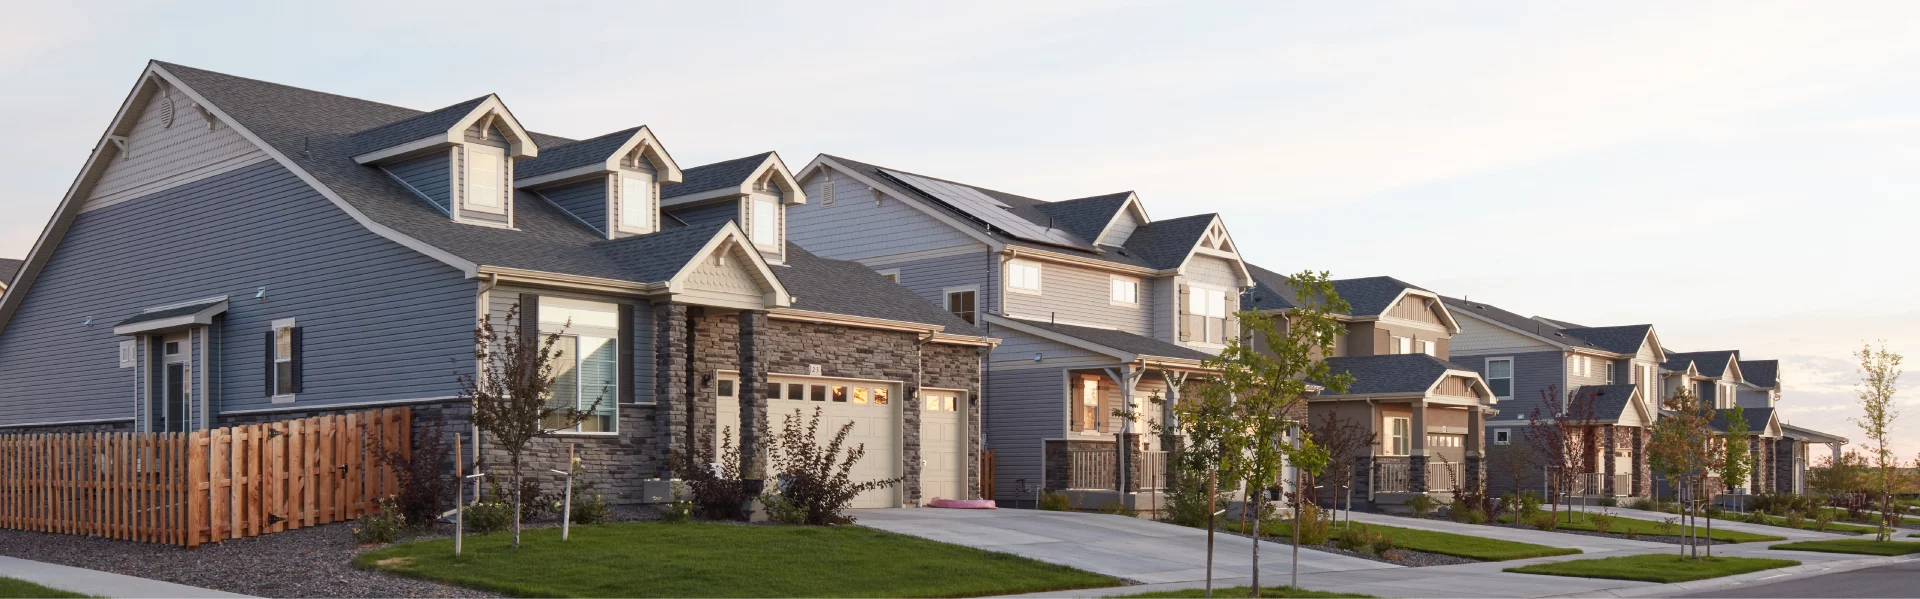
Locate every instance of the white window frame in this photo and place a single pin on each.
(770, 220)
(1509, 378)
(1424, 346)
(1114, 286)
(629, 182)
(1401, 345)
(1501, 436)
(283, 326)
(1607, 369)
(1396, 436)
(553, 305)
(892, 274)
(500, 186)
(946, 299)
(1017, 279)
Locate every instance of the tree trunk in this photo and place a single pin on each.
(517, 508)
(1213, 478)
(1256, 537)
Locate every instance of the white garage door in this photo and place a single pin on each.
(872, 406)
(943, 445)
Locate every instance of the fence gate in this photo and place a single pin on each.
(207, 486)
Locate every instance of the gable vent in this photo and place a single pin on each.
(166, 112)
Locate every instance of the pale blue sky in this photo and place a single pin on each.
(1741, 175)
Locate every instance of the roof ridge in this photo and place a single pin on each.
(171, 66)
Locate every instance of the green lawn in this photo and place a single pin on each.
(1808, 524)
(14, 587)
(1280, 592)
(1655, 567)
(1622, 525)
(1860, 546)
(1443, 543)
(653, 559)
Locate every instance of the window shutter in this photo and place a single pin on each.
(625, 353)
(529, 317)
(1185, 335)
(299, 383)
(269, 360)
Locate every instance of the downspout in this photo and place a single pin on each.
(919, 391)
(483, 310)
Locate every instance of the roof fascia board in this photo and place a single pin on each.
(524, 148)
(779, 168)
(467, 267)
(1013, 251)
(202, 317)
(1659, 349)
(1517, 330)
(823, 161)
(700, 197)
(669, 171)
(777, 296)
(549, 279)
(1060, 338)
(935, 332)
(1453, 326)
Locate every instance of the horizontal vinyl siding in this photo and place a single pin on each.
(853, 227)
(431, 175)
(585, 201)
(1022, 407)
(1016, 350)
(381, 322)
(1081, 296)
(1533, 373)
(928, 278)
(1479, 337)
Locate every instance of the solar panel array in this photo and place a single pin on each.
(984, 207)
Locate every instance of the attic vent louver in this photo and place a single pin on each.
(166, 112)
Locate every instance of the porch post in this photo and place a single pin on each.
(1476, 448)
(1640, 462)
(753, 385)
(1417, 453)
(673, 383)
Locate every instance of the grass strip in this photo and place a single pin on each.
(653, 559)
(1857, 546)
(1635, 526)
(1281, 592)
(1442, 543)
(14, 587)
(1655, 567)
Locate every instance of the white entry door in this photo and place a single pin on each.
(943, 445)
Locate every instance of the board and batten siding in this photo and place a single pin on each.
(506, 297)
(1533, 373)
(159, 156)
(429, 176)
(586, 201)
(1022, 408)
(381, 322)
(848, 224)
(1082, 296)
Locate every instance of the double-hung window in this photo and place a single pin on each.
(1400, 437)
(283, 360)
(765, 217)
(586, 360)
(1500, 377)
(1125, 291)
(636, 202)
(1609, 369)
(486, 179)
(961, 302)
(1023, 276)
(1206, 320)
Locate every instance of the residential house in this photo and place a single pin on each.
(8, 268)
(1541, 367)
(1099, 307)
(1423, 416)
(236, 251)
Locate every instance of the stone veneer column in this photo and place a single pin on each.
(673, 385)
(1606, 460)
(1417, 442)
(1476, 448)
(752, 391)
(1640, 466)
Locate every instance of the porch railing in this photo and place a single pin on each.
(1593, 484)
(1091, 469)
(1153, 470)
(1392, 477)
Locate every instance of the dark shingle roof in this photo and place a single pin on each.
(1710, 363)
(1610, 402)
(1085, 217)
(409, 129)
(570, 155)
(1270, 290)
(1620, 340)
(1371, 296)
(1530, 325)
(854, 289)
(1166, 243)
(1763, 373)
(1120, 340)
(1757, 419)
(726, 173)
(8, 268)
(1395, 373)
(186, 310)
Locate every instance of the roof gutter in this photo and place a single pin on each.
(1019, 252)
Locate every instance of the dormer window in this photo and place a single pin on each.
(486, 179)
(636, 202)
(765, 217)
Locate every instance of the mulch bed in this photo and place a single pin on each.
(1398, 557)
(309, 562)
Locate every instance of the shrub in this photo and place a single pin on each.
(1796, 520)
(1822, 520)
(1603, 522)
(679, 510)
(718, 491)
(1544, 521)
(819, 477)
(1666, 526)
(1055, 502)
(1422, 505)
(1609, 502)
(1470, 517)
(1381, 544)
(1313, 529)
(1756, 517)
(588, 505)
(1187, 502)
(782, 509)
(1714, 512)
(1351, 538)
(487, 517)
(380, 528)
(1120, 509)
(425, 488)
(534, 502)
(1644, 504)
(1527, 505)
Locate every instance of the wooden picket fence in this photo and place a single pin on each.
(207, 486)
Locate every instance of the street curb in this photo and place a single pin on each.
(1769, 576)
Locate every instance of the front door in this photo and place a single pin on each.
(943, 445)
(176, 384)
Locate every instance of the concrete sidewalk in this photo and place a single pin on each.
(97, 583)
(1585, 543)
(1724, 524)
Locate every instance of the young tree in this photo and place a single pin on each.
(1345, 441)
(1263, 376)
(1738, 464)
(512, 393)
(1205, 419)
(1684, 450)
(1879, 381)
(1559, 435)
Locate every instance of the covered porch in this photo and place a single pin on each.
(1105, 458)
(1421, 422)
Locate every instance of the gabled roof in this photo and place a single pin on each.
(1533, 327)
(1371, 296)
(8, 268)
(1086, 217)
(168, 317)
(1270, 290)
(1625, 339)
(1758, 419)
(1761, 373)
(1394, 373)
(554, 159)
(567, 161)
(1712, 364)
(1119, 344)
(1610, 402)
(823, 285)
(708, 177)
(405, 130)
(1809, 435)
(1167, 243)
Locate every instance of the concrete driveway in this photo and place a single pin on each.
(1130, 548)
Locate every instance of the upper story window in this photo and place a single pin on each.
(486, 179)
(765, 221)
(1426, 347)
(961, 302)
(1023, 276)
(1500, 377)
(1125, 291)
(636, 202)
(1609, 369)
(1204, 317)
(1400, 345)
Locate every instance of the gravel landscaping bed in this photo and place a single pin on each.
(309, 562)
(1398, 557)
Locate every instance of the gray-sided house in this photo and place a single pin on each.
(236, 251)
(1099, 307)
(1722, 380)
(1423, 415)
(8, 269)
(1525, 360)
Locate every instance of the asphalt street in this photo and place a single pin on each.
(1896, 580)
